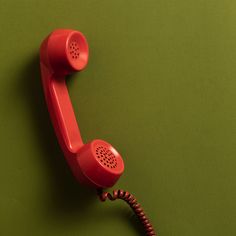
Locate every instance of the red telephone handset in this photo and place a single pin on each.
(96, 163)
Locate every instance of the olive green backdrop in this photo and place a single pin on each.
(160, 86)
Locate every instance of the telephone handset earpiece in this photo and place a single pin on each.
(96, 163)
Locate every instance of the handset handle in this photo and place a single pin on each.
(61, 112)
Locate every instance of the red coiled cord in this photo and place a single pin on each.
(132, 201)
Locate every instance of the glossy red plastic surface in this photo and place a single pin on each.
(96, 163)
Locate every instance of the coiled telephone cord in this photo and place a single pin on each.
(132, 201)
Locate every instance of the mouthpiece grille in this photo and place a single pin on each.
(106, 157)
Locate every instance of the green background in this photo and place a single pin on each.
(160, 86)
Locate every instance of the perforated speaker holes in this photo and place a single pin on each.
(74, 50)
(106, 157)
